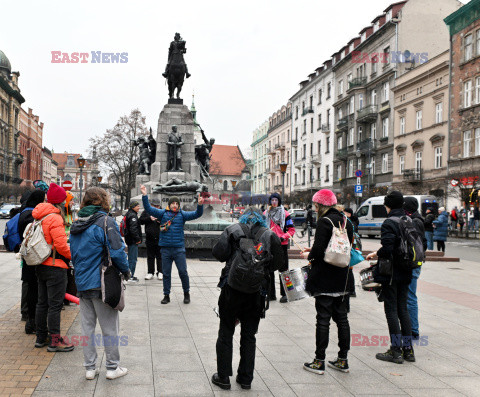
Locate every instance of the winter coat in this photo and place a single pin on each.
(87, 239)
(419, 224)
(324, 277)
(228, 244)
(174, 236)
(461, 217)
(428, 223)
(287, 232)
(134, 230)
(390, 241)
(152, 228)
(440, 232)
(54, 231)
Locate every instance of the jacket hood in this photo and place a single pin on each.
(44, 209)
(82, 224)
(36, 197)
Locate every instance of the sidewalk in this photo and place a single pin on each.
(171, 348)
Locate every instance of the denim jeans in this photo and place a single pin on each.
(429, 237)
(132, 257)
(52, 284)
(412, 304)
(396, 312)
(177, 254)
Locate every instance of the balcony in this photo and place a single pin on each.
(316, 158)
(267, 170)
(366, 145)
(357, 82)
(325, 127)
(299, 163)
(341, 153)
(368, 113)
(270, 150)
(271, 171)
(277, 187)
(413, 175)
(280, 146)
(307, 110)
(342, 123)
(294, 142)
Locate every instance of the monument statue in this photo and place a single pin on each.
(202, 155)
(145, 157)
(174, 143)
(152, 145)
(178, 186)
(176, 69)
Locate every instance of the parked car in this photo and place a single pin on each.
(299, 218)
(5, 210)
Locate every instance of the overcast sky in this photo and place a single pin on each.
(246, 59)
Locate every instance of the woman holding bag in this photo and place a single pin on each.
(88, 238)
(328, 284)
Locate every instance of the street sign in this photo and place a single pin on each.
(67, 185)
(454, 182)
(359, 181)
(358, 173)
(358, 189)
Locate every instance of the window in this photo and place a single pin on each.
(418, 161)
(387, 56)
(305, 126)
(402, 164)
(318, 173)
(350, 168)
(328, 116)
(439, 112)
(296, 133)
(303, 106)
(319, 97)
(340, 113)
(467, 94)
(296, 179)
(438, 157)
(311, 175)
(327, 173)
(467, 137)
(385, 127)
(304, 151)
(360, 134)
(311, 101)
(386, 91)
(339, 142)
(303, 177)
(339, 172)
(379, 211)
(359, 164)
(319, 120)
(477, 88)
(225, 185)
(352, 105)
(478, 42)
(385, 163)
(418, 120)
(329, 88)
(311, 125)
(349, 78)
(373, 131)
(296, 155)
(372, 165)
(340, 87)
(350, 137)
(477, 141)
(327, 144)
(402, 125)
(363, 211)
(374, 64)
(311, 149)
(468, 47)
(360, 101)
(319, 147)
(374, 97)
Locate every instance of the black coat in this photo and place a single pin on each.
(152, 228)
(324, 277)
(428, 222)
(390, 240)
(134, 230)
(420, 226)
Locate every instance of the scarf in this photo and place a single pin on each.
(88, 211)
(277, 215)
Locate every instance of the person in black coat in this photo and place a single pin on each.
(328, 284)
(394, 287)
(152, 235)
(133, 237)
(428, 225)
(28, 272)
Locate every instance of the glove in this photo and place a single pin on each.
(127, 275)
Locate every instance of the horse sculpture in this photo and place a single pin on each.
(176, 69)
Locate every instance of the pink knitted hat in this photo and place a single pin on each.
(325, 197)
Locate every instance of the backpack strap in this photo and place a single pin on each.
(245, 229)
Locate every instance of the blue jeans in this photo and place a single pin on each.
(412, 304)
(429, 237)
(177, 254)
(132, 257)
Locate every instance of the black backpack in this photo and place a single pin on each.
(248, 267)
(411, 250)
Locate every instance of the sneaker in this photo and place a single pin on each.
(186, 298)
(60, 347)
(160, 276)
(222, 383)
(415, 336)
(91, 373)
(283, 299)
(42, 342)
(316, 366)
(408, 354)
(245, 386)
(165, 300)
(390, 355)
(149, 276)
(133, 280)
(116, 373)
(30, 327)
(340, 363)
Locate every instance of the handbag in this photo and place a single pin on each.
(166, 225)
(355, 257)
(385, 267)
(113, 289)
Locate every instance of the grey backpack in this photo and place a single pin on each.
(35, 249)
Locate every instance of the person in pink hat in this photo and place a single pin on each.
(328, 284)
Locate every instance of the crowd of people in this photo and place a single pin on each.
(252, 249)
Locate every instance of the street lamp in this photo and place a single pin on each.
(283, 169)
(81, 164)
(98, 180)
(234, 183)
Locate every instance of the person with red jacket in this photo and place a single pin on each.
(52, 273)
(280, 222)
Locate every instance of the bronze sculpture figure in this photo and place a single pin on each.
(176, 69)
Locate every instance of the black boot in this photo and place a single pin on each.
(165, 300)
(30, 327)
(408, 354)
(223, 383)
(186, 297)
(394, 356)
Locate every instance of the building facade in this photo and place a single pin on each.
(10, 102)
(259, 159)
(30, 146)
(421, 128)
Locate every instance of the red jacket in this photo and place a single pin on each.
(287, 232)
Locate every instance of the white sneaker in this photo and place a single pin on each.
(160, 276)
(91, 373)
(117, 373)
(149, 276)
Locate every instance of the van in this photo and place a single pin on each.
(372, 213)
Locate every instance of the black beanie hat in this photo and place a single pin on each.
(173, 199)
(277, 196)
(410, 204)
(36, 197)
(133, 204)
(394, 200)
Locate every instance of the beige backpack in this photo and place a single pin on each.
(338, 249)
(35, 249)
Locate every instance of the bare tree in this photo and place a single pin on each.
(118, 155)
